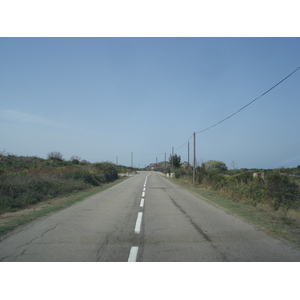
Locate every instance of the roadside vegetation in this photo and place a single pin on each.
(13, 219)
(269, 198)
(25, 181)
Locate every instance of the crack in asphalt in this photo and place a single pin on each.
(198, 228)
(50, 229)
(117, 234)
(99, 254)
(191, 221)
(29, 242)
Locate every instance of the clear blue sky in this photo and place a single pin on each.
(103, 98)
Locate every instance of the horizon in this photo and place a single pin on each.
(82, 160)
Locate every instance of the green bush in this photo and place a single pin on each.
(85, 176)
(109, 170)
(281, 191)
(28, 180)
(180, 172)
(277, 190)
(244, 177)
(19, 190)
(215, 166)
(254, 191)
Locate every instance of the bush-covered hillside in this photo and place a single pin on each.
(29, 180)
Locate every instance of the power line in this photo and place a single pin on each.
(184, 143)
(152, 154)
(250, 102)
(194, 134)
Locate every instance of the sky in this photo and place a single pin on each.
(104, 98)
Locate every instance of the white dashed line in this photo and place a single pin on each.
(138, 223)
(134, 249)
(142, 202)
(133, 254)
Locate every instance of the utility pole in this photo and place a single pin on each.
(131, 159)
(165, 161)
(194, 164)
(172, 159)
(117, 161)
(189, 153)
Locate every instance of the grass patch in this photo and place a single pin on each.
(279, 224)
(12, 220)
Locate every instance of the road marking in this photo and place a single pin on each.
(142, 202)
(143, 194)
(138, 223)
(144, 189)
(133, 254)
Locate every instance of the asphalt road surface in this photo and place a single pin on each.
(145, 219)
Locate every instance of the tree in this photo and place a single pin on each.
(215, 166)
(55, 155)
(75, 159)
(175, 161)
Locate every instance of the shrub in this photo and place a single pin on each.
(19, 190)
(276, 190)
(55, 155)
(245, 177)
(28, 180)
(85, 176)
(108, 169)
(180, 172)
(253, 192)
(215, 166)
(281, 191)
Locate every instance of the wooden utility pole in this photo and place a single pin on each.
(194, 164)
(172, 159)
(189, 153)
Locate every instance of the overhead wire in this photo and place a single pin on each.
(230, 116)
(184, 143)
(151, 154)
(249, 102)
(240, 108)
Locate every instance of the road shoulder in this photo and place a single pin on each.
(273, 223)
(12, 221)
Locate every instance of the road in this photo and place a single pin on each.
(145, 218)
